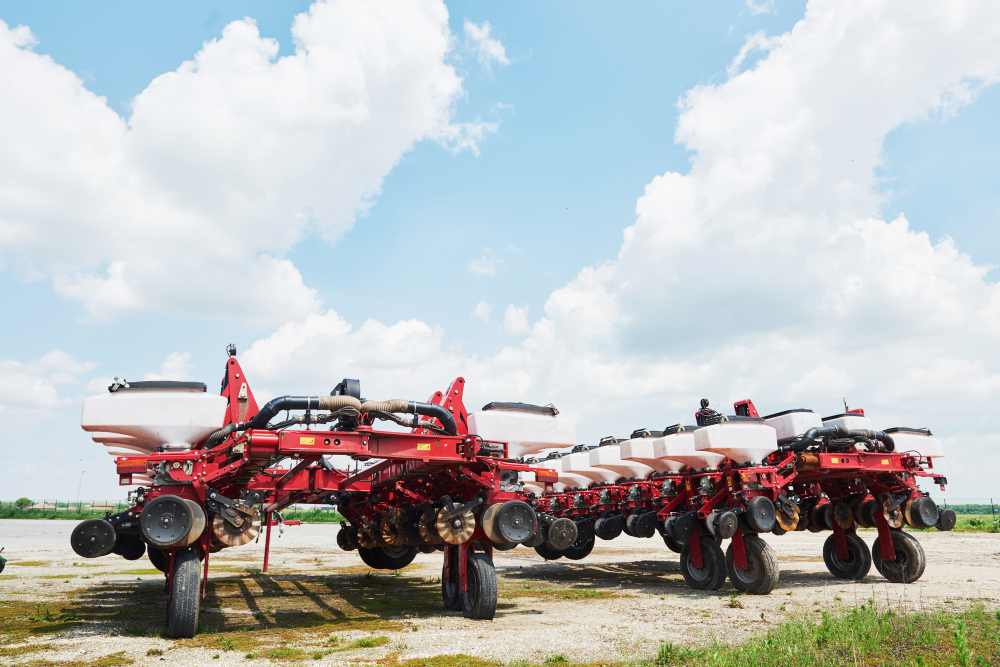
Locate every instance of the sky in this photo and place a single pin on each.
(619, 209)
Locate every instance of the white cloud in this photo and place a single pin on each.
(486, 265)
(225, 163)
(765, 7)
(767, 269)
(482, 311)
(488, 49)
(31, 389)
(177, 366)
(515, 321)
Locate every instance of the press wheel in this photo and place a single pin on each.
(712, 574)
(449, 585)
(858, 562)
(910, 559)
(761, 575)
(185, 595)
(479, 601)
(580, 550)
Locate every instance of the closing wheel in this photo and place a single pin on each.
(93, 538)
(158, 558)
(129, 547)
(858, 562)
(761, 575)
(185, 595)
(946, 519)
(671, 543)
(548, 553)
(479, 601)
(449, 585)
(910, 560)
(580, 550)
(712, 574)
(396, 558)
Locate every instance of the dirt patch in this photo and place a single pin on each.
(614, 606)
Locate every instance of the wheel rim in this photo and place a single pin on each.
(752, 573)
(471, 588)
(844, 563)
(394, 552)
(703, 573)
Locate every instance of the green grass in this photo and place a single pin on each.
(313, 516)
(864, 636)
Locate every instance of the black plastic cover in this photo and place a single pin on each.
(164, 384)
(788, 412)
(843, 414)
(523, 407)
(903, 429)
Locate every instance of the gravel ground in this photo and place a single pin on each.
(619, 603)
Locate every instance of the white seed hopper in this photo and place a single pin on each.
(644, 450)
(918, 442)
(740, 441)
(527, 429)
(793, 423)
(679, 447)
(173, 415)
(578, 463)
(848, 421)
(609, 457)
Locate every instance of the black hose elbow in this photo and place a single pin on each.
(437, 412)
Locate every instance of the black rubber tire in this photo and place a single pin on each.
(426, 548)
(910, 560)
(395, 558)
(130, 547)
(671, 543)
(158, 558)
(609, 527)
(185, 596)
(580, 550)
(946, 519)
(449, 587)
(859, 558)
(2, 566)
(371, 557)
(761, 575)
(548, 553)
(479, 601)
(713, 572)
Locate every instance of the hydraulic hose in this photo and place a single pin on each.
(809, 437)
(217, 436)
(331, 403)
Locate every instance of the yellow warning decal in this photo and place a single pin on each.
(885, 462)
(307, 441)
(423, 446)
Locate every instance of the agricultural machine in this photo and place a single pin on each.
(215, 470)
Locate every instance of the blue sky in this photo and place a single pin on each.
(586, 113)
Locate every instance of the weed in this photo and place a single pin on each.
(319, 655)
(962, 650)
(369, 642)
(250, 656)
(734, 602)
(216, 656)
(226, 643)
(556, 659)
(285, 653)
(134, 630)
(155, 651)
